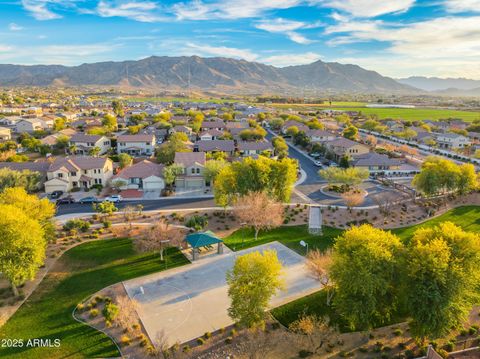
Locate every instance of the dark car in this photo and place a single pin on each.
(56, 194)
(66, 200)
(89, 200)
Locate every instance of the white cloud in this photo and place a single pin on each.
(39, 9)
(143, 11)
(14, 27)
(369, 8)
(455, 6)
(291, 59)
(287, 27)
(229, 9)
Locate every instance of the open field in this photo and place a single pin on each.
(80, 272)
(303, 106)
(414, 113)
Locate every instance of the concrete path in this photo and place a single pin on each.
(186, 302)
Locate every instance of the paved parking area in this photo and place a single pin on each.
(186, 302)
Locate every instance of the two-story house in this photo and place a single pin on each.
(66, 173)
(136, 145)
(452, 141)
(213, 146)
(84, 143)
(193, 164)
(344, 147)
(211, 125)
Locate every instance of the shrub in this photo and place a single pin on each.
(397, 332)
(363, 350)
(106, 224)
(196, 222)
(125, 340)
(200, 341)
(186, 348)
(143, 342)
(80, 307)
(233, 332)
(207, 335)
(304, 353)
(93, 313)
(110, 311)
(472, 330)
(229, 340)
(450, 346)
(464, 332)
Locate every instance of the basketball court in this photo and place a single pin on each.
(184, 303)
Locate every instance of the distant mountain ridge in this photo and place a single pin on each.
(439, 84)
(216, 73)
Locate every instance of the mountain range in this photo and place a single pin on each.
(447, 85)
(197, 73)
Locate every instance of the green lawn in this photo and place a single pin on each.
(467, 217)
(82, 271)
(413, 113)
(288, 235)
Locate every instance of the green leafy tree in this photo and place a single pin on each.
(62, 142)
(350, 177)
(212, 169)
(118, 108)
(59, 124)
(107, 208)
(26, 179)
(280, 146)
(442, 275)
(253, 280)
(22, 248)
(171, 172)
(17, 158)
(275, 178)
(292, 131)
(94, 151)
(124, 160)
(351, 132)
(110, 122)
(176, 143)
(364, 270)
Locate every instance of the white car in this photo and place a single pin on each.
(318, 164)
(115, 198)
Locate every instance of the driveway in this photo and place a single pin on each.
(186, 302)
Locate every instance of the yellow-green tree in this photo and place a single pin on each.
(253, 280)
(442, 277)
(364, 270)
(22, 245)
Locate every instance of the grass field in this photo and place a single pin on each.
(80, 272)
(414, 113)
(467, 217)
(303, 106)
(287, 235)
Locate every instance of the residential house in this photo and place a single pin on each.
(226, 146)
(211, 125)
(376, 162)
(184, 129)
(84, 143)
(254, 148)
(452, 141)
(5, 134)
(136, 145)
(193, 164)
(29, 125)
(293, 123)
(344, 147)
(210, 135)
(319, 136)
(474, 137)
(66, 173)
(144, 175)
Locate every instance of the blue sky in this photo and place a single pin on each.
(394, 37)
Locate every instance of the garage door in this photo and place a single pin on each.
(194, 184)
(49, 188)
(153, 185)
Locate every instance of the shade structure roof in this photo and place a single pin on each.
(202, 239)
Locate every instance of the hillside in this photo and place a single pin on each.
(223, 74)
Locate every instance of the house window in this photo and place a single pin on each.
(84, 172)
(198, 170)
(99, 181)
(73, 174)
(193, 170)
(60, 175)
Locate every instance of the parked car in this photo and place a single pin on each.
(89, 200)
(56, 194)
(318, 163)
(66, 200)
(114, 198)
